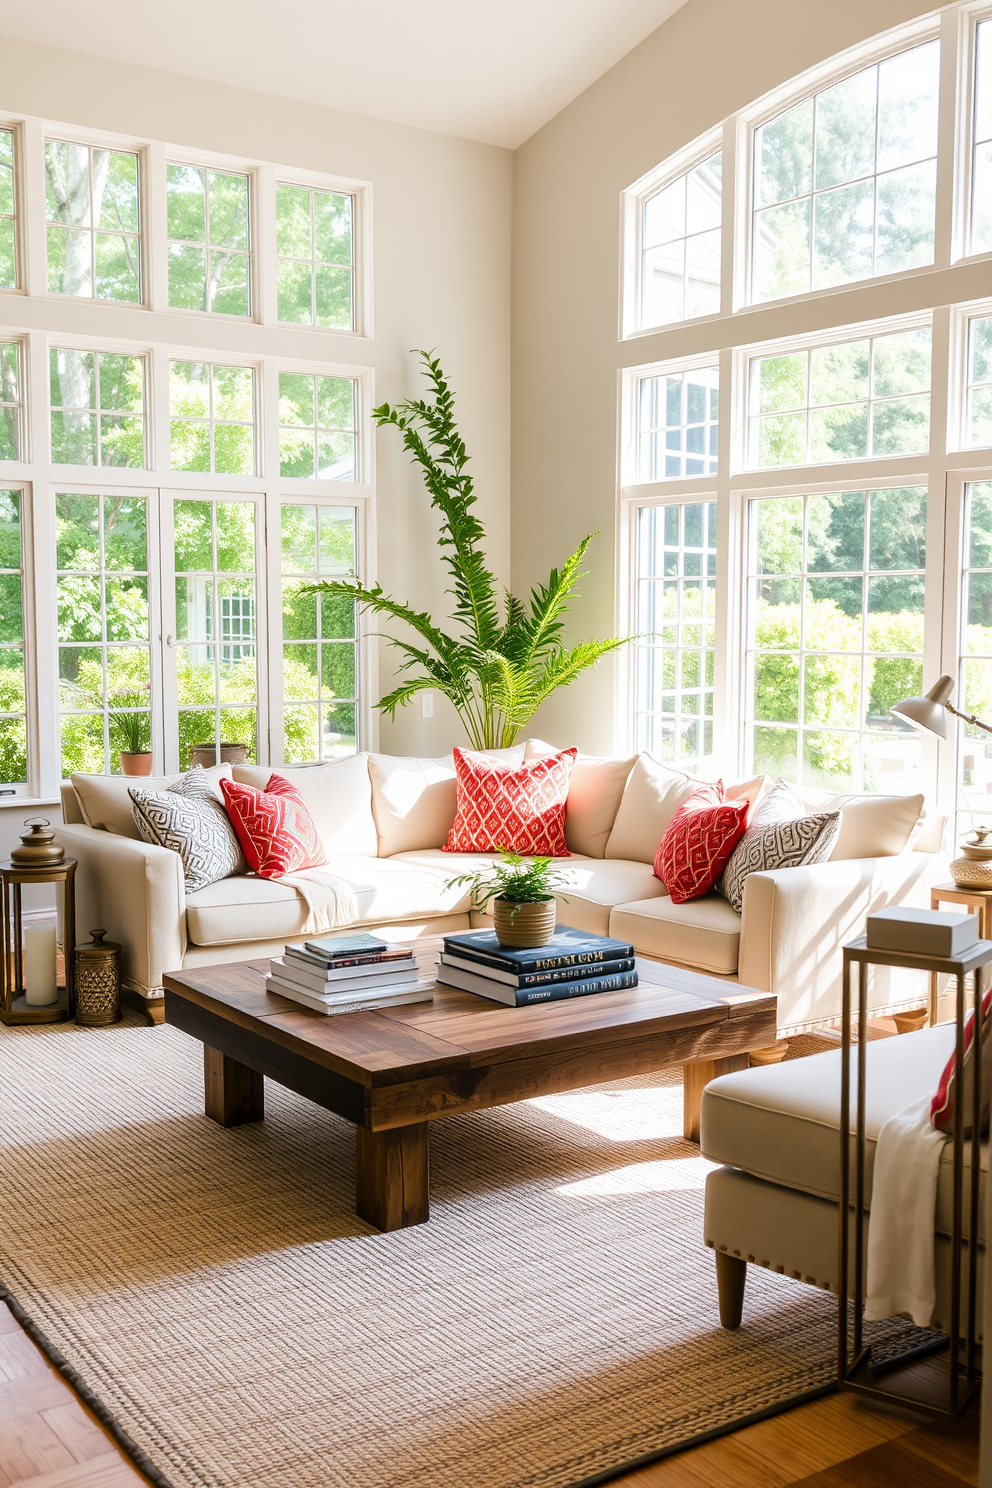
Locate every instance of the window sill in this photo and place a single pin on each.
(19, 801)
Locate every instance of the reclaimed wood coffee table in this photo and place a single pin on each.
(394, 1071)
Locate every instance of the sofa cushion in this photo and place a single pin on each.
(106, 804)
(339, 797)
(782, 1121)
(274, 826)
(413, 799)
(703, 933)
(651, 797)
(698, 842)
(594, 793)
(363, 891)
(779, 835)
(870, 826)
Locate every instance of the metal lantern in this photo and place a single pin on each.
(30, 990)
(98, 982)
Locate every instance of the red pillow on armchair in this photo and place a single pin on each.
(519, 807)
(698, 842)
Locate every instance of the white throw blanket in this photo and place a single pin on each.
(330, 901)
(901, 1275)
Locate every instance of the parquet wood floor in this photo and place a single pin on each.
(48, 1439)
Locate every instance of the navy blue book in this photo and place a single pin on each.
(483, 986)
(567, 947)
(536, 978)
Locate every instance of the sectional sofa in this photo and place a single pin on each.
(384, 819)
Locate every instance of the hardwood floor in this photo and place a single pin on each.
(48, 1439)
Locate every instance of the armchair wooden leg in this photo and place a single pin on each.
(731, 1274)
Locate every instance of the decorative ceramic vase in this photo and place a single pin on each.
(138, 762)
(974, 869)
(207, 755)
(98, 982)
(519, 926)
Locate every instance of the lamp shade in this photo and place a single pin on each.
(927, 713)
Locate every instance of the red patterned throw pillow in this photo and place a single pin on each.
(276, 831)
(949, 1089)
(698, 842)
(519, 807)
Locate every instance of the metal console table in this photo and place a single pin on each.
(901, 1379)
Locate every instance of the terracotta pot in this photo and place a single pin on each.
(139, 763)
(207, 755)
(519, 926)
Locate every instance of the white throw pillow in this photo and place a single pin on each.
(781, 835)
(594, 793)
(189, 820)
(338, 795)
(653, 794)
(873, 826)
(105, 802)
(413, 799)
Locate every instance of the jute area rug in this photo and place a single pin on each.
(556, 1319)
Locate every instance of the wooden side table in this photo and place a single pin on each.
(979, 901)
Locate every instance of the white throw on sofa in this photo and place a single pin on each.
(384, 819)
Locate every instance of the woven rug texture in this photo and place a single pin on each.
(216, 1291)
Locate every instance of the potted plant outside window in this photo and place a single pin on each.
(131, 732)
(521, 892)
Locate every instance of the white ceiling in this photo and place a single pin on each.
(492, 70)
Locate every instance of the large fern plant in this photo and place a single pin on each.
(508, 655)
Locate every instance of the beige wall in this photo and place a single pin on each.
(441, 278)
(710, 59)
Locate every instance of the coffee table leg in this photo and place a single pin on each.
(392, 1176)
(232, 1093)
(695, 1077)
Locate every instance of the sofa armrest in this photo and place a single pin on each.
(796, 921)
(137, 894)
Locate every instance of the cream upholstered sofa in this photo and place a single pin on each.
(384, 819)
(776, 1133)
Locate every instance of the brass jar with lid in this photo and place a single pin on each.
(38, 848)
(98, 981)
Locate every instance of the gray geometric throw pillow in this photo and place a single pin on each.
(189, 820)
(781, 835)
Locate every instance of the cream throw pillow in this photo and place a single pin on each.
(338, 795)
(105, 802)
(594, 793)
(653, 794)
(873, 826)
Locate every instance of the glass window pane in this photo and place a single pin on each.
(898, 526)
(229, 294)
(186, 203)
(782, 250)
(115, 190)
(293, 227)
(836, 533)
(906, 215)
(332, 227)
(907, 106)
(680, 246)
(314, 273)
(844, 148)
(187, 277)
(227, 196)
(842, 236)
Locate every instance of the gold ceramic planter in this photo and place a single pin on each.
(519, 926)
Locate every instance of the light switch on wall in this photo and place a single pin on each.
(427, 705)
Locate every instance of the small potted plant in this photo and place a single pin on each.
(131, 731)
(521, 892)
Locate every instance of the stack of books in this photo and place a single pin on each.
(347, 974)
(572, 964)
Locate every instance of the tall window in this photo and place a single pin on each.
(320, 662)
(8, 212)
(97, 408)
(975, 665)
(103, 630)
(835, 636)
(216, 641)
(317, 434)
(678, 425)
(680, 247)
(13, 709)
(11, 401)
(978, 414)
(212, 408)
(209, 240)
(94, 222)
(981, 174)
(844, 182)
(676, 615)
(845, 402)
(314, 241)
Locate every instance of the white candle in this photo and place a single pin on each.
(40, 986)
